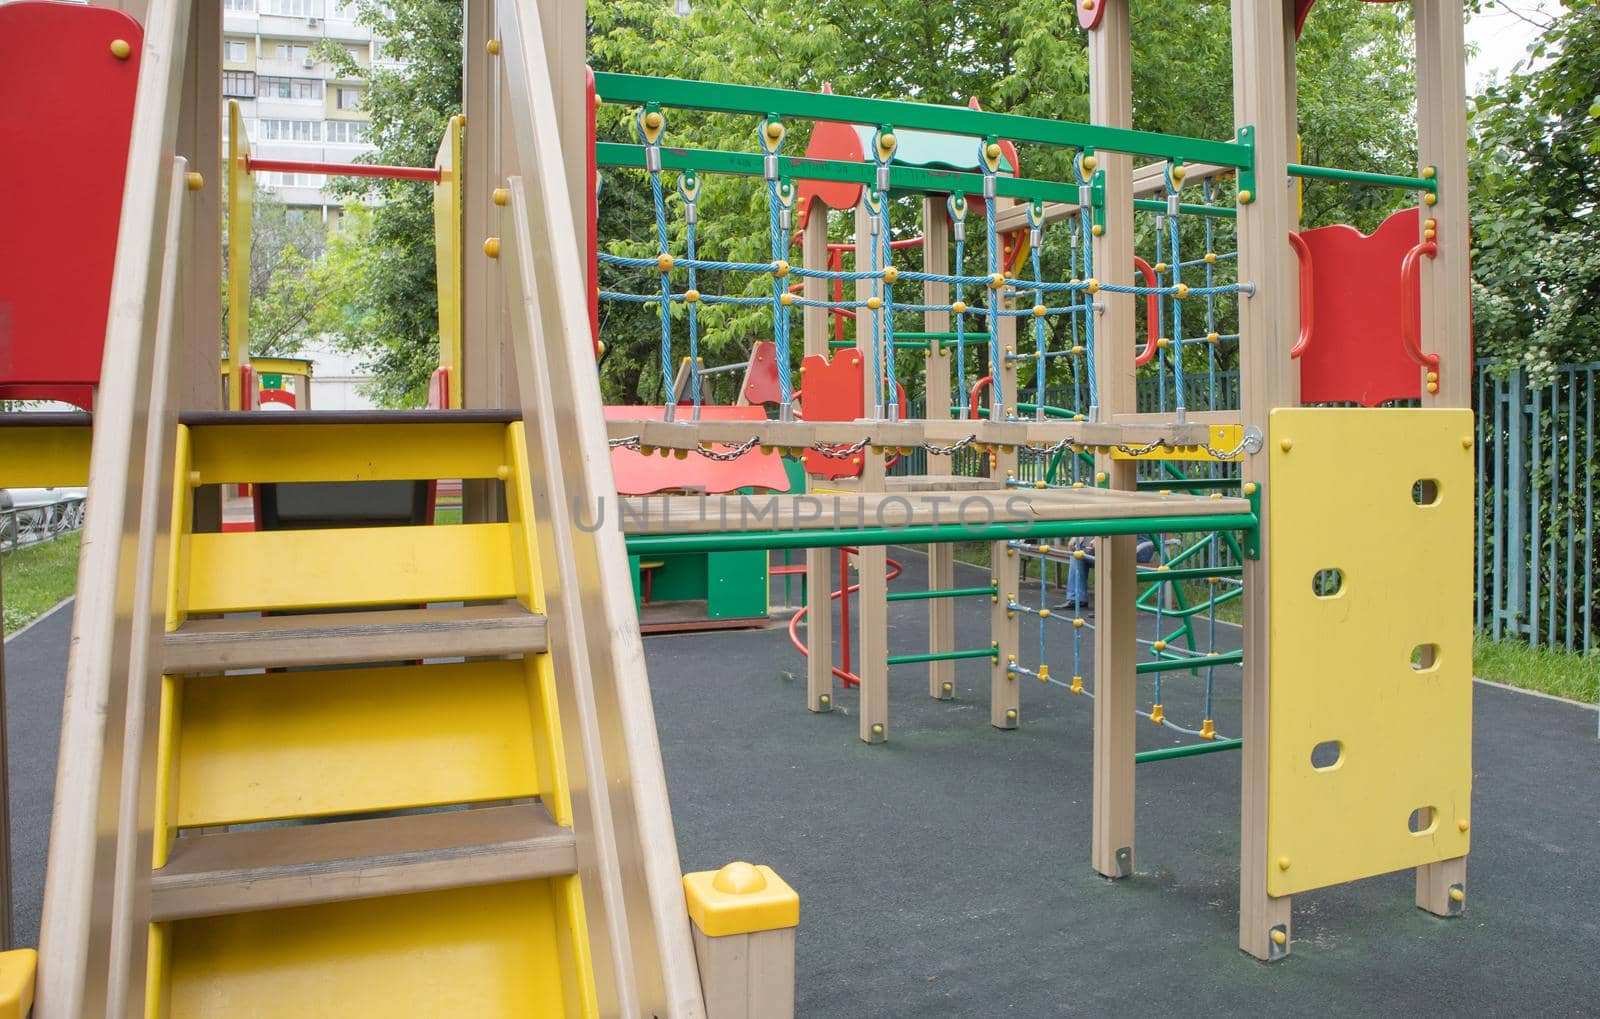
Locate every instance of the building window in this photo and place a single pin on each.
(234, 51)
(293, 54)
(343, 10)
(347, 98)
(274, 179)
(239, 6)
(239, 84)
(289, 88)
(276, 130)
(292, 8)
(347, 132)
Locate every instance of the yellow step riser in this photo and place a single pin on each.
(495, 950)
(307, 744)
(266, 453)
(284, 570)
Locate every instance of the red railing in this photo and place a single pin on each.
(431, 174)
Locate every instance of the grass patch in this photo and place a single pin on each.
(37, 578)
(1558, 673)
(447, 514)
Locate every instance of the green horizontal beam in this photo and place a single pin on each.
(1363, 177)
(1192, 573)
(954, 592)
(932, 534)
(1204, 605)
(898, 336)
(944, 656)
(1185, 664)
(1187, 750)
(1155, 205)
(918, 179)
(748, 99)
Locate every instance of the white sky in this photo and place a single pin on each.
(1502, 38)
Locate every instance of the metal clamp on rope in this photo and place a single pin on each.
(652, 158)
(689, 191)
(785, 204)
(1172, 204)
(989, 190)
(1085, 196)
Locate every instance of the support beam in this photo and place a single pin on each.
(936, 387)
(1115, 649)
(1005, 571)
(1445, 285)
(819, 561)
(1262, 31)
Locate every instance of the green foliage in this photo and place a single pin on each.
(385, 253)
(1536, 202)
(290, 288)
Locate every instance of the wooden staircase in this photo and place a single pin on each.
(380, 822)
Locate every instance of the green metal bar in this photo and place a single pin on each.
(1192, 573)
(1363, 177)
(944, 656)
(1227, 596)
(1187, 750)
(1153, 205)
(720, 98)
(954, 592)
(1187, 663)
(898, 336)
(930, 534)
(920, 179)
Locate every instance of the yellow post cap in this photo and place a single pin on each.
(17, 971)
(741, 898)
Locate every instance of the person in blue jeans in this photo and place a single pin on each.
(1078, 569)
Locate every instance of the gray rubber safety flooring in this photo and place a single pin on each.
(946, 873)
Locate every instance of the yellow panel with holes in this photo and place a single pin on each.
(265, 571)
(269, 746)
(1370, 763)
(493, 950)
(401, 451)
(1222, 438)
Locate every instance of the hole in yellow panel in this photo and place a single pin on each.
(1328, 582)
(1425, 657)
(1425, 492)
(1325, 756)
(1422, 821)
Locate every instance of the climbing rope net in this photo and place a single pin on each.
(1180, 366)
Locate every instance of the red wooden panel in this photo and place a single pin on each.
(66, 112)
(638, 474)
(1354, 351)
(761, 380)
(1303, 8)
(832, 391)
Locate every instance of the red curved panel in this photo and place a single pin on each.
(761, 379)
(830, 140)
(832, 391)
(638, 474)
(1355, 351)
(66, 112)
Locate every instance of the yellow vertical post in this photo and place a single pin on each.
(241, 215)
(447, 234)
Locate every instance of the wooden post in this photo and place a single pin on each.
(819, 561)
(744, 919)
(1445, 287)
(1267, 380)
(1116, 622)
(1005, 566)
(872, 561)
(5, 790)
(936, 406)
(484, 324)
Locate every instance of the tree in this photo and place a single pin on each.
(1536, 202)
(386, 255)
(291, 292)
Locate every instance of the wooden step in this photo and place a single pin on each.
(272, 868)
(345, 638)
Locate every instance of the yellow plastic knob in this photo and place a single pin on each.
(494, 47)
(1245, 197)
(691, 296)
(501, 196)
(491, 247)
(664, 262)
(959, 307)
(1089, 164)
(739, 878)
(1040, 311)
(891, 274)
(193, 181)
(120, 49)
(780, 269)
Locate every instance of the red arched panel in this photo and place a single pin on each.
(1354, 351)
(832, 391)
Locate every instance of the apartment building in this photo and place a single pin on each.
(295, 105)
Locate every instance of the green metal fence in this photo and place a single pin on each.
(1538, 571)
